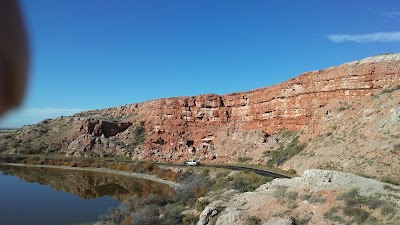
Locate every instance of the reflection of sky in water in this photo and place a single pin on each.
(22, 202)
(31, 203)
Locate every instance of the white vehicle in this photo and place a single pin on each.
(191, 163)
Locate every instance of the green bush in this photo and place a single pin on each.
(192, 187)
(189, 219)
(244, 159)
(280, 191)
(359, 215)
(248, 181)
(390, 188)
(390, 90)
(291, 195)
(284, 153)
(252, 220)
(172, 213)
(200, 205)
(305, 197)
(332, 215)
(387, 209)
(146, 215)
(354, 203)
(396, 147)
(242, 181)
(139, 135)
(317, 199)
(389, 180)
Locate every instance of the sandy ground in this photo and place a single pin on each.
(102, 170)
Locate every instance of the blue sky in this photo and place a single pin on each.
(90, 54)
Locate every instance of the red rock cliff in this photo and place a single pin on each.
(178, 123)
(177, 128)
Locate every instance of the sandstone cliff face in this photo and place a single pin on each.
(180, 127)
(222, 128)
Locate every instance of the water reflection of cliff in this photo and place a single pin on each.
(88, 184)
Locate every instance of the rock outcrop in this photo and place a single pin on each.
(317, 197)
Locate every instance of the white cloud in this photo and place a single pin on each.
(392, 14)
(20, 117)
(366, 38)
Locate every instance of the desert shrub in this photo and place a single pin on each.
(200, 191)
(374, 203)
(291, 205)
(148, 167)
(193, 186)
(221, 174)
(252, 220)
(390, 188)
(280, 191)
(396, 147)
(200, 205)
(244, 159)
(390, 90)
(247, 181)
(317, 199)
(283, 153)
(86, 163)
(332, 215)
(205, 171)
(292, 171)
(302, 221)
(189, 219)
(387, 209)
(305, 197)
(354, 202)
(292, 195)
(359, 215)
(115, 215)
(219, 182)
(153, 199)
(172, 213)
(146, 215)
(170, 175)
(138, 134)
(351, 198)
(166, 174)
(389, 180)
(285, 133)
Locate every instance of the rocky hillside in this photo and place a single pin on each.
(317, 197)
(344, 117)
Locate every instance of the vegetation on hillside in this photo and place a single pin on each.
(139, 135)
(284, 152)
(361, 209)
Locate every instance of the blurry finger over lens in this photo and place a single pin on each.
(13, 55)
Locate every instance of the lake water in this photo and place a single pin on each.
(54, 196)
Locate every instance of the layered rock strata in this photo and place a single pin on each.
(208, 126)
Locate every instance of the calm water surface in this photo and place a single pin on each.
(54, 196)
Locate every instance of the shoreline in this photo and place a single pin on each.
(101, 170)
